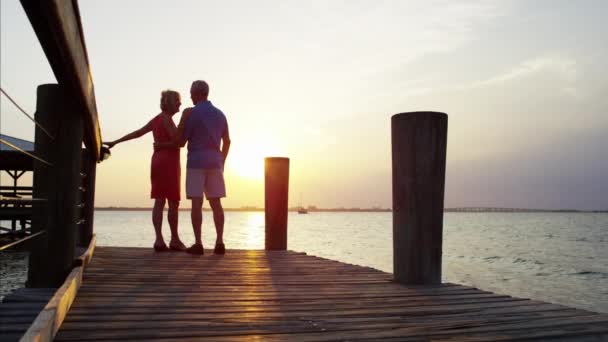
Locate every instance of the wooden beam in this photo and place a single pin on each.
(46, 325)
(59, 30)
(85, 259)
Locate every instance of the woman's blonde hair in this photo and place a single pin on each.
(167, 97)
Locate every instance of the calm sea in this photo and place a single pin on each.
(555, 257)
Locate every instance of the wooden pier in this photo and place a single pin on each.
(136, 294)
(125, 294)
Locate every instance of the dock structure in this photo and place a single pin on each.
(136, 294)
(78, 292)
(14, 206)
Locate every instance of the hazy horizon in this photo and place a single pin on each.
(523, 83)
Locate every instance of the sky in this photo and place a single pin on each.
(524, 84)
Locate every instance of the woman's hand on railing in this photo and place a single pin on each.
(110, 144)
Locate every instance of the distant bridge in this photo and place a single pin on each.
(502, 210)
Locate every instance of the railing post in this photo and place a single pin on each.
(50, 265)
(276, 186)
(89, 167)
(419, 142)
(46, 106)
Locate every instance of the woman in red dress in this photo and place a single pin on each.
(165, 169)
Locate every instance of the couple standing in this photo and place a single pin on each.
(205, 128)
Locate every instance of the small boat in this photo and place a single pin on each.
(301, 209)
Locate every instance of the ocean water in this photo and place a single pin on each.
(555, 257)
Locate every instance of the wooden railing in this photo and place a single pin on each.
(64, 173)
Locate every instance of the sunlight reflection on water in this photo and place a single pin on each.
(555, 257)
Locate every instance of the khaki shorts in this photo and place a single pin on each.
(203, 182)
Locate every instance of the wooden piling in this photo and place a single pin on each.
(276, 176)
(419, 141)
(44, 148)
(50, 265)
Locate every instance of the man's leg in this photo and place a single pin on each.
(194, 191)
(196, 214)
(218, 219)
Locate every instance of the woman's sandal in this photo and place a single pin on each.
(177, 246)
(161, 248)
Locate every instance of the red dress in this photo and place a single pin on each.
(165, 169)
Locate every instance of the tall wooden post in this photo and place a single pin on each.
(276, 186)
(419, 141)
(51, 264)
(89, 167)
(46, 106)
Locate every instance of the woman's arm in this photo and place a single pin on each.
(133, 135)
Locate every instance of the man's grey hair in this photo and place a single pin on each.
(200, 87)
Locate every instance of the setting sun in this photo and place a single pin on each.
(248, 161)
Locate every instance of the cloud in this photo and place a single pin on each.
(565, 68)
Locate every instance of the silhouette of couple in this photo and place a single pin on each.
(205, 128)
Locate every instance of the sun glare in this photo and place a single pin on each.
(248, 161)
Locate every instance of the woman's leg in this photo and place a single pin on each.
(157, 220)
(172, 217)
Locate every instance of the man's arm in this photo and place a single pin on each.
(225, 143)
(182, 135)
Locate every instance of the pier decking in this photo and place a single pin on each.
(134, 293)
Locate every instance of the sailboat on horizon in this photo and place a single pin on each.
(301, 209)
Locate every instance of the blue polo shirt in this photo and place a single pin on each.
(204, 130)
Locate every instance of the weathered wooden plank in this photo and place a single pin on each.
(297, 330)
(10, 336)
(47, 323)
(31, 313)
(234, 298)
(218, 295)
(84, 300)
(253, 295)
(7, 307)
(85, 258)
(195, 308)
(22, 319)
(213, 313)
(577, 333)
(26, 295)
(346, 315)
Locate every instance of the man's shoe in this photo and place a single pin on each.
(196, 249)
(219, 249)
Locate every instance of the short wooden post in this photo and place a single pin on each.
(419, 141)
(276, 177)
(89, 167)
(52, 264)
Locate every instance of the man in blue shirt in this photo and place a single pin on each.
(205, 128)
